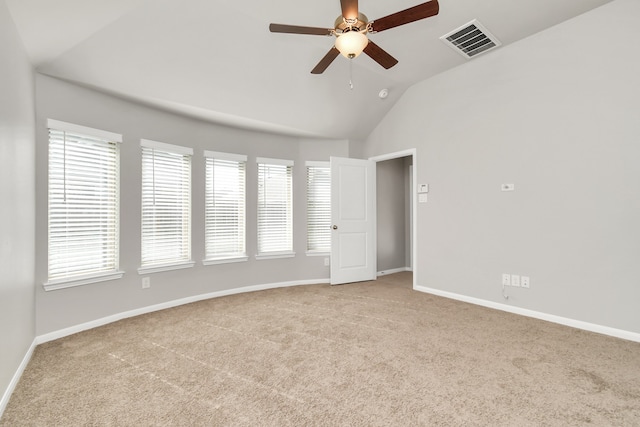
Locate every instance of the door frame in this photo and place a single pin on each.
(413, 153)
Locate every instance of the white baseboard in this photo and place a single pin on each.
(591, 327)
(394, 270)
(169, 304)
(16, 377)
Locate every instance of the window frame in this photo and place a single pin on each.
(240, 159)
(186, 153)
(317, 165)
(283, 253)
(106, 137)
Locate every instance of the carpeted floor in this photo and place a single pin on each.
(364, 354)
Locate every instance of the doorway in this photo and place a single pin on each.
(396, 212)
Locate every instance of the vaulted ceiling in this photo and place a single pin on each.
(217, 60)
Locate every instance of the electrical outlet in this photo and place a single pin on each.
(506, 279)
(507, 187)
(146, 282)
(524, 281)
(515, 280)
(326, 262)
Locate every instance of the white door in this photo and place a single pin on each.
(353, 220)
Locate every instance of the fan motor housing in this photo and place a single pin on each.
(343, 26)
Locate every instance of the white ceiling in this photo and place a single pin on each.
(216, 59)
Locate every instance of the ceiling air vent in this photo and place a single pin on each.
(471, 39)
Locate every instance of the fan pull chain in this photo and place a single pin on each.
(351, 74)
(64, 166)
(153, 174)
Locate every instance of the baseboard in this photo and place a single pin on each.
(591, 327)
(16, 377)
(169, 304)
(394, 270)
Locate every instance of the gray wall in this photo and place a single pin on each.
(391, 212)
(17, 209)
(558, 114)
(69, 307)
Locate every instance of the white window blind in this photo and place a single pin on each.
(275, 206)
(166, 204)
(318, 207)
(224, 205)
(83, 224)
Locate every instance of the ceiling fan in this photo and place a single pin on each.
(351, 28)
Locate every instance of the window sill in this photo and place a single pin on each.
(276, 255)
(81, 280)
(228, 260)
(318, 253)
(165, 267)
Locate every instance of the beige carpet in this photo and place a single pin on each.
(364, 354)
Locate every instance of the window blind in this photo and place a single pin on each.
(224, 205)
(166, 204)
(318, 207)
(83, 196)
(275, 207)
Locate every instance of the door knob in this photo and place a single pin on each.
(335, 227)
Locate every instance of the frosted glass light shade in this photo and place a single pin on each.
(351, 44)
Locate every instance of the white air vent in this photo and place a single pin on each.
(471, 39)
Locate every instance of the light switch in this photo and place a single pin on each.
(423, 188)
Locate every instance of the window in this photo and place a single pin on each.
(224, 207)
(318, 208)
(83, 232)
(166, 207)
(275, 210)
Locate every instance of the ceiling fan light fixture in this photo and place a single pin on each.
(351, 44)
(351, 30)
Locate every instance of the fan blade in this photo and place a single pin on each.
(326, 61)
(380, 55)
(349, 9)
(295, 29)
(412, 14)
